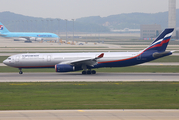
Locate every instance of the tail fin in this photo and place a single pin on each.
(3, 29)
(161, 42)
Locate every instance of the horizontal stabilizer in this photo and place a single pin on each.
(157, 55)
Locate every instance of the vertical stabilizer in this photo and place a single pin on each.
(161, 42)
(3, 29)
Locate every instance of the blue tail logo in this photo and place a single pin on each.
(1, 27)
(160, 44)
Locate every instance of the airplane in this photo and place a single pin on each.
(68, 62)
(28, 36)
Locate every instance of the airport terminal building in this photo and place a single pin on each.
(148, 32)
(177, 33)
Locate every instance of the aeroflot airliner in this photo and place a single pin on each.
(67, 62)
(28, 36)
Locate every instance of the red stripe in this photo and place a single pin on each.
(160, 44)
(120, 60)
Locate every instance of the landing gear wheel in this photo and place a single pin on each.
(93, 72)
(89, 72)
(83, 72)
(20, 72)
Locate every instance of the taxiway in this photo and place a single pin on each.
(90, 115)
(78, 77)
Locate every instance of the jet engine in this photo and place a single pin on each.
(38, 39)
(64, 68)
(35, 39)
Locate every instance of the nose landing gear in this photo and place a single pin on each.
(20, 72)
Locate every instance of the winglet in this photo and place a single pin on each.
(101, 55)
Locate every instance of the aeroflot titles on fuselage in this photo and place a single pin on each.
(25, 56)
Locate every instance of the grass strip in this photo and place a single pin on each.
(2, 58)
(88, 95)
(151, 69)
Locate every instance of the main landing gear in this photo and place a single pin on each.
(20, 72)
(89, 72)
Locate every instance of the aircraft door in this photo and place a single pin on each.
(48, 58)
(12, 60)
(17, 59)
(139, 57)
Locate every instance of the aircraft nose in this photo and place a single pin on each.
(5, 62)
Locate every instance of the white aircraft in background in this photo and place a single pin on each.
(28, 36)
(67, 62)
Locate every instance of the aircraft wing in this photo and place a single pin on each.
(30, 38)
(87, 61)
(27, 38)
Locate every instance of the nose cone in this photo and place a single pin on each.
(5, 62)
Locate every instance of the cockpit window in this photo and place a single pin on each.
(9, 58)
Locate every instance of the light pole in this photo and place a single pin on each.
(42, 26)
(66, 31)
(31, 25)
(27, 28)
(58, 27)
(36, 25)
(73, 31)
(16, 26)
(22, 25)
(51, 25)
(47, 26)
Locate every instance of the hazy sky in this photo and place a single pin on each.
(68, 9)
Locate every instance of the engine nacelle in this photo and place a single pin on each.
(64, 68)
(32, 38)
(38, 39)
(35, 39)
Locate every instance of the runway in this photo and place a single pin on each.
(90, 115)
(78, 77)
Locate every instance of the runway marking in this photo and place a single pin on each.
(117, 83)
(140, 80)
(81, 110)
(174, 83)
(80, 84)
(20, 84)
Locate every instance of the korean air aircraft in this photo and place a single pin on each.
(28, 36)
(68, 62)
